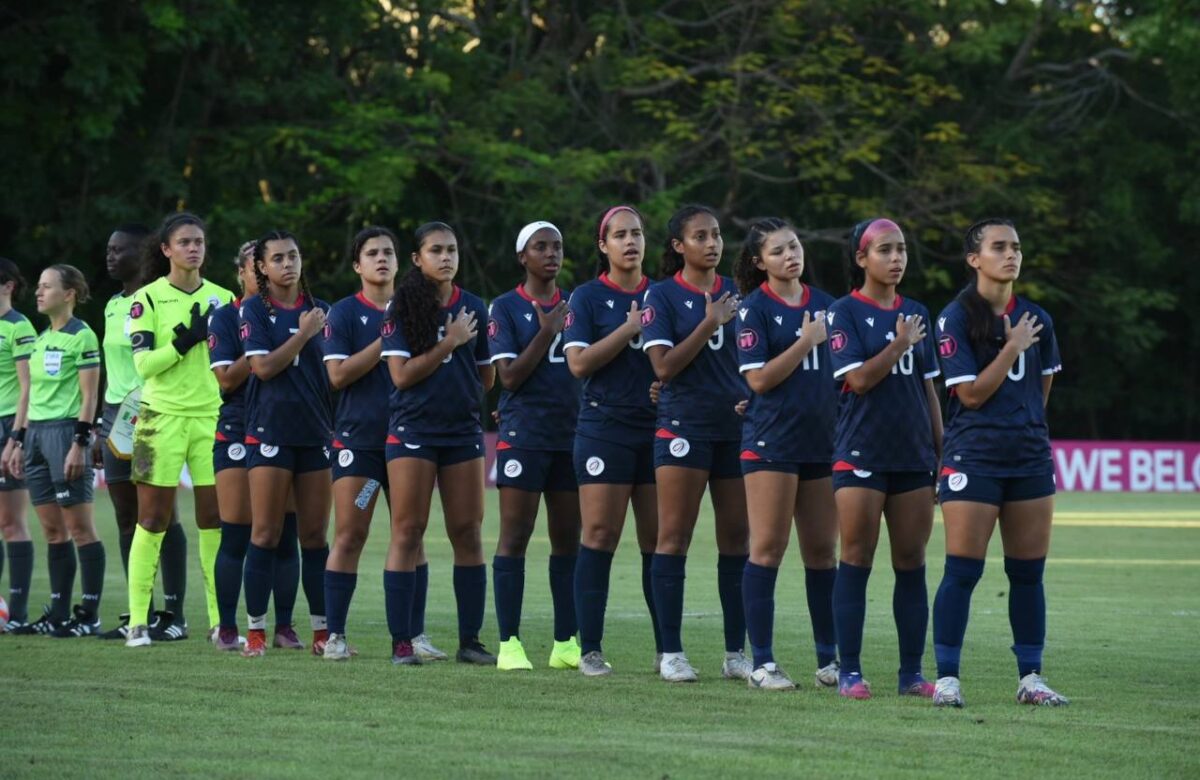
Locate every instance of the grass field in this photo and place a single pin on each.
(1123, 585)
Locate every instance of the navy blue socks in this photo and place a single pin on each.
(339, 590)
(591, 595)
(287, 571)
(312, 575)
(648, 595)
(227, 572)
(849, 613)
(470, 593)
(1027, 612)
(669, 572)
(910, 608)
(508, 582)
(730, 569)
(398, 590)
(420, 597)
(818, 590)
(562, 594)
(258, 575)
(758, 592)
(951, 609)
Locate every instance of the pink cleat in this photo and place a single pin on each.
(227, 639)
(286, 639)
(852, 686)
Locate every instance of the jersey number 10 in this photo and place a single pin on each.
(905, 364)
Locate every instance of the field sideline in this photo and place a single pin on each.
(1123, 585)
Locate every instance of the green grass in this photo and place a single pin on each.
(1123, 628)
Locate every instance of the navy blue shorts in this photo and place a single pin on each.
(805, 471)
(228, 455)
(605, 462)
(959, 486)
(721, 459)
(537, 471)
(298, 460)
(890, 482)
(438, 454)
(359, 463)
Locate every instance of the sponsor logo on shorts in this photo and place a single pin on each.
(268, 450)
(862, 474)
(956, 482)
(679, 447)
(345, 458)
(594, 466)
(513, 468)
(236, 451)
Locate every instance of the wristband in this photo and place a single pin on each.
(83, 433)
(18, 437)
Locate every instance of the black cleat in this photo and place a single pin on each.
(83, 623)
(120, 632)
(40, 627)
(472, 651)
(167, 627)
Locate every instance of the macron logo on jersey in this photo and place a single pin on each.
(742, 313)
(687, 304)
(778, 319)
(870, 322)
(609, 303)
(363, 319)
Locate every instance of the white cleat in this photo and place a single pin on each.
(1033, 690)
(948, 693)
(139, 636)
(424, 649)
(770, 677)
(737, 666)
(675, 668)
(593, 665)
(336, 648)
(827, 676)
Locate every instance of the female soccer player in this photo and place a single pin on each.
(999, 355)
(16, 343)
(887, 444)
(352, 346)
(787, 442)
(178, 416)
(440, 367)
(123, 260)
(689, 333)
(289, 427)
(614, 437)
(538, 408)
(60, 407)
(232, 371)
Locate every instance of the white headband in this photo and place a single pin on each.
(528, 231)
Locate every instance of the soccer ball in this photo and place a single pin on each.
(3, 614)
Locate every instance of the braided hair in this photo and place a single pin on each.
(260, 276)
(154, 262)
(10, 273)
(415, 304)
(672, 261)
(981, 322)
(748, 276)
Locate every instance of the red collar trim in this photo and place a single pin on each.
(454, 296)
(1012, 304)
(692, 288)
(766, 288)
(280, 305)
(552, 302)
(367, 301)
(858, 296)
(642, 285)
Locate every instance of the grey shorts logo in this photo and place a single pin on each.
(268, 450)
(513, 468)
(345, 458)
(679, 447)
(595, 466)
(236, 451)
(957, 482)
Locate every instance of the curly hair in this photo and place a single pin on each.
(154, 262)
(260, 276)
(415, 304)
(672, 261)
(748, 276)
(981, 322)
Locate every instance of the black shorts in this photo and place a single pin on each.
(296, 459)
(721, 459)
(438, 454)
(537, 471)
(6, 428)
(959, 486)
(605, 462)
(349, 462)
(805, 471)
(890, 482)
(228, 455)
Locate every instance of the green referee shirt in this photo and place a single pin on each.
(173, 383)
(54, 365)
(120, 374)
(16, 342)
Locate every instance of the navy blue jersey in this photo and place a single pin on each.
(1008, 435)
(224, 349)
(352, 326)
(444, 407)
(294, 407)
(699, 402)
(620, 390)
(888, 428)
(541, 414)
(793, 421)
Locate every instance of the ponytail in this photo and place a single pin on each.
(672, 261)
(748, 276)
(981, 322)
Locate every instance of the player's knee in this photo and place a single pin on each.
(602, 537)
(351, 539)
(908, 558)
(407, 536)
(673, 541)
(464, 537)
(820, 556)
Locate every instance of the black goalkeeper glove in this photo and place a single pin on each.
(188, 336)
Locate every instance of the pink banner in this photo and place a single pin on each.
(1135, 466)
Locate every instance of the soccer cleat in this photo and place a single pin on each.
(139, 636)
(320, 637)
(565, 655)
(472, 651)
(83, 623)
(286, 639)
(256, 643)
(1033, 690)
(675, 668)
(227, 639)
(827, 676)
(512, 656)
(593, 665)
(423, 647)
(168, 628)
(736, 666)
(403, 654)
(948, 693)
(43, 625)
(851, 685)
(120, 632)
(915, 685)
(13, 627)
(770, 677)
(336, 648)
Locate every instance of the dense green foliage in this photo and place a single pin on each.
(1077, 119)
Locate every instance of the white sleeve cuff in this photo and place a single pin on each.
(658, 343)
(958, 380)
(257, 352)
(336, 357)
(580, 344)
(511, 355)
(749, 367)
(395, 353)
(1050, 371)
(846, 369)
(933, 373)
(217, 363)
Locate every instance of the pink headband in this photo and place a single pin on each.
(609, 215)
(876, 229)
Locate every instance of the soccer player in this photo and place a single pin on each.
(16, 343)
(440, 368)
(123, 261)
(60, 407)
(232, 370)
(690, 337)
(352, 346)
(887, 444)
(538, 408)
(787, 442)
(289, 427)
(999, 355)
(178, 416)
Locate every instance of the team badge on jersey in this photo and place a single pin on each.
(493, 329)
(136, 310)
(747, 339)
(947, 346)
(837, 340)
(647, 316)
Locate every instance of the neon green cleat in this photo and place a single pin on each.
(565, 655)
(512, 656)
